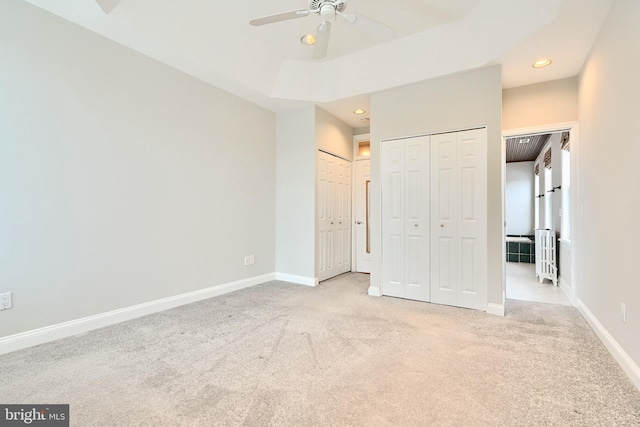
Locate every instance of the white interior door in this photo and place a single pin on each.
(333, 248)
(361, 216)
(405, 218)
(459, 219)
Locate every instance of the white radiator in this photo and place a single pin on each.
(546, 267)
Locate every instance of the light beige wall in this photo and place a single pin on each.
(122, 180)
(540, 104)
(361, 131)
(333, 135)
(295, 193)
(300, 133)
(609, 174)
(461, 101)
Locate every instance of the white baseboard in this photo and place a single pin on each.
(300, 280)
(566, 288)
(495, 309)
(374, 291)
(66, 329)
(621, 356)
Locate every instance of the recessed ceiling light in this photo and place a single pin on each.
(541, 63)
(308, 39)
(359, 111)
(524, 141)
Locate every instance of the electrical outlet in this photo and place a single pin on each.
(623, 312)
(252, 259)
(5, 301)
(247, 260)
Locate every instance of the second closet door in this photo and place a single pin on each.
(333, 249)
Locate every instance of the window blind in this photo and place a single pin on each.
(547, 159)
(566, 141)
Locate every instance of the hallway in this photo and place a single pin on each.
(522, 284)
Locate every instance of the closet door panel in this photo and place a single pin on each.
(405, 218)
(393, 224)
(323, 222)
(472, 146)
(417, 219)
(444, 207)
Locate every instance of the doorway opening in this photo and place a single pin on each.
(361, 239)
(539, 191)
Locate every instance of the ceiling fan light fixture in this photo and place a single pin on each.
(359, 111)
(327, 10)
(541, 63)
(308, 39)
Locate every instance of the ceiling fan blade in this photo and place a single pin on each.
(284, 16)
(349, 17)
(373, 27)
(322, 40)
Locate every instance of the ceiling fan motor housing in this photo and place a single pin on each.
(325, 6)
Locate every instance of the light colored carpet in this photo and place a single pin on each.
(283, 354)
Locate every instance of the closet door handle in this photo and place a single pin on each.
(359, 222)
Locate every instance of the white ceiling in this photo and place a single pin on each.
(213, 41)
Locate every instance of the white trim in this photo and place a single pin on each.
(621, 356)
(353, 211)
(66, 329)
(334, 155)
(442, 132)
(495, 309)
(566, 288)
(503, 212)
(551, 128)
(299, 280)
(374, 291)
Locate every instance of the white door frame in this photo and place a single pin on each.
(575, 147)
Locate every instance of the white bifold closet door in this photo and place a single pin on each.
(333, 249)
(459, 219)
(434, 224)
(405, 218)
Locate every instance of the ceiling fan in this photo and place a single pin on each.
(329, 10)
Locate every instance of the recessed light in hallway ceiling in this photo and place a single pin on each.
(541, 63)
